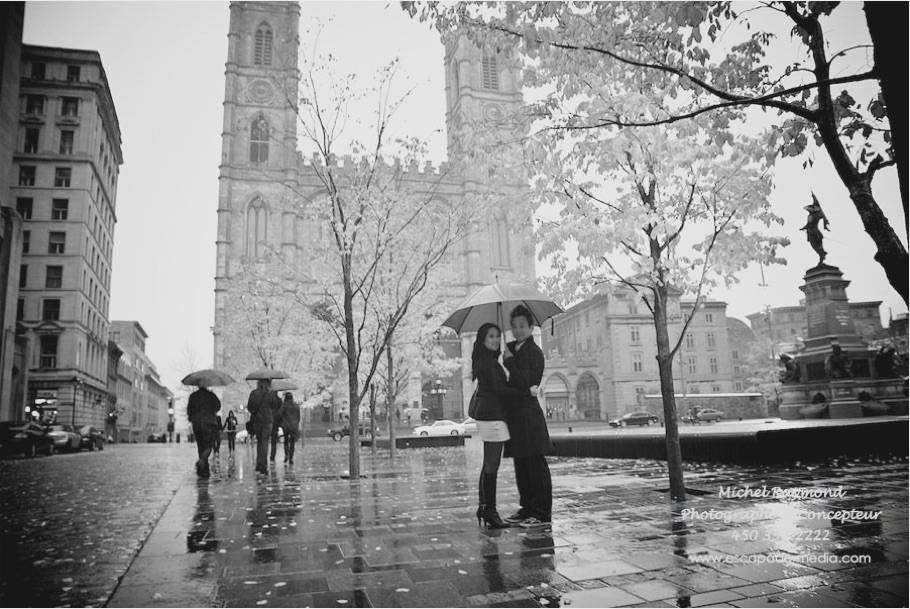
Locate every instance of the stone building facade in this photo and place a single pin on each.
(261, 165)
(64, 170)
(788, 327)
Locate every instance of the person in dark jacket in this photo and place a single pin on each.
(262, 403)
(493, 393)
(201, 411)
(530, 439)
(289, 420)
(230, 425)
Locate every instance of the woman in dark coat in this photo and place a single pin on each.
(530, 439)
(493, 393)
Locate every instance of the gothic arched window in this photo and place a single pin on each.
(490, 73)
(257, 231)
(259, 140)
(262, 46)
(588, 396)
(499, 244)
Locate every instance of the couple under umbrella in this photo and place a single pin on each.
(268, 412)
(509, 417)
(202, 411)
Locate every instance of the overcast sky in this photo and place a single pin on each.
(165, 65)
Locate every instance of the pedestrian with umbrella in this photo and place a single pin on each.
(201, 410)
(289, 419)
(262, 405)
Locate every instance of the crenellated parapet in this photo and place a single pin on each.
(413, 170)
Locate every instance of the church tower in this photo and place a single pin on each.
(480, 86)
(258, 170)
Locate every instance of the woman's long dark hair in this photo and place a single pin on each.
(479, 352)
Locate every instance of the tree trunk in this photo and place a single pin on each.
(665, 369)
(890, 57)
(390, 398)
(372, 418)
(353, 386)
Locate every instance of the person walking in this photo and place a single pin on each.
(262, 404)
(530, 439)
(276, 425)
(289, 419)
(201, 409)
(493, 393)
(230, 425)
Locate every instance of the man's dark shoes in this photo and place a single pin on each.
(517, 516)
(533, 522)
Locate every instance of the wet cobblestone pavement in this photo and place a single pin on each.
(133, 527)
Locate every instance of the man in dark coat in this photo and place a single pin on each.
(201, 410)
(262, 403)
(530, 439)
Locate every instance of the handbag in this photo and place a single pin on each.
(473, 405)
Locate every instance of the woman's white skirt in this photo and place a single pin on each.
(493, 431)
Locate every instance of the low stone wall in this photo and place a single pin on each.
(419, 442)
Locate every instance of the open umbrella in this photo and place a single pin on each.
(493, 303)
(208, 377)
(283, 385)
(265, 373)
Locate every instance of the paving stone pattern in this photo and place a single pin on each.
(134, 527)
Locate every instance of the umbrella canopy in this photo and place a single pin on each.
(493, 303)
(208, 377)
(265, 373)
(283, 385)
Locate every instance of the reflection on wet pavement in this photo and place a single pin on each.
(405, 536)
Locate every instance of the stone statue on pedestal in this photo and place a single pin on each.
(838, 365)
(791, 372)
(813, 233)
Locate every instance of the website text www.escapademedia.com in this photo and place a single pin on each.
(759, 559)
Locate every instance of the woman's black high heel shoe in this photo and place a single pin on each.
(492, 519)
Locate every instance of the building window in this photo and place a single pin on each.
(63, 177)
(637, 362)
(715, 388)
(588, 344)
(490, 73)
(737, 371)
(262, 50)
(48, 356)
(26, 175)
(72, 73)
(635, 333)
(738, 386)
(690, 340)
(735, 354)
(695, 389)
(60, 209)
(70, 106)
(639, 395)
(51, 309)
(54, 277)
(34, 104)
(712, 340)
(26, 241)
(31, 140)
(712, 364)
(499, 244)
(709, 318)
(256, 229)
(692, 365)
(66, 141)
(56, 243)
(23, 275)
(24, 207)
(20, 309)
(38, 70)
(259, 140)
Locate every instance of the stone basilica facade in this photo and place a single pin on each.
(260, 162)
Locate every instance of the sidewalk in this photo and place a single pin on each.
(405, 536)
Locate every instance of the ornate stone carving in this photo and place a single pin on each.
(260, 91)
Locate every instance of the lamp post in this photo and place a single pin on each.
(170, 420)
(439, 391)
(76, 384)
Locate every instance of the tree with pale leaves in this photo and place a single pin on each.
(715, 59)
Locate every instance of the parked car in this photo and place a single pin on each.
(709, 414)
(157, 437)
(25, 438)
(634, 418)
(470, 425)
(65, 437)
(442, 427)
(92, 437)
(338, 434)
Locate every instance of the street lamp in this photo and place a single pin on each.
(76, 384)
(170, 420)
(440, 391)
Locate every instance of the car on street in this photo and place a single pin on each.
(709, 414)
(338, 433)
(470, 425)
(442, 427)
(157, 437)
(635, 418)
(65, 437)
(24, 438)
(92, 437)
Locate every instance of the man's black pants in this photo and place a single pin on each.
(535, 487)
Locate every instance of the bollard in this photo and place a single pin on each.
(570, 430)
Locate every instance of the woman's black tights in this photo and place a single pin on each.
(492, 456)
